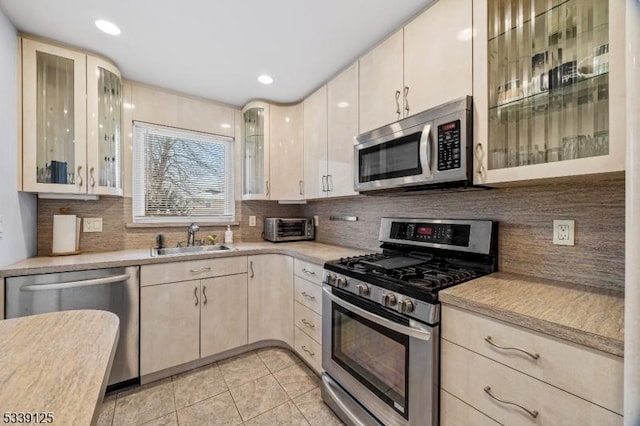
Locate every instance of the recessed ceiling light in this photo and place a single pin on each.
(343, 104)
(265, 79)
(107, 27)
(225, 126)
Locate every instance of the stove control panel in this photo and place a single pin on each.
(423, 311)
(440, 233)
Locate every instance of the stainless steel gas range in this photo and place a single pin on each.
(380, 318)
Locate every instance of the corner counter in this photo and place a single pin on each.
(584, 315)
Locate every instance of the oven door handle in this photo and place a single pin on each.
(414, 330)
(425, 150)
(74, 284)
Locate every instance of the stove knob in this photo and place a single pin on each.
(363, 289)
(405, 306)
(331, 278)
(341, 282)
(389, 299)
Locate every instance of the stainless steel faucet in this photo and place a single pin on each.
(191, 233)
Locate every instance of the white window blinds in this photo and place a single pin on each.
(181, 176)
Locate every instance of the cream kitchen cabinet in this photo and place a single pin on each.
(286, 162)
(545, 105)
(191, 310)
(255, 151)
(552, 381)
(330, 126)
(308, 313)
(71, 122)
(270, 298)
(425, 64)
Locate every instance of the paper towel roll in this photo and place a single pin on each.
(64, 233)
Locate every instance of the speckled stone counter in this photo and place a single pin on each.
(583, 315)
(309, 251)
(57, 363)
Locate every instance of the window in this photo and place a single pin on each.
(181, 176)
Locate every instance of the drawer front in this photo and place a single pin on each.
(308, 349)
(589, 374)
(454, 412)
(308, 271)
(309, 294)
(468, 376)
(191, 270)
(308, 321)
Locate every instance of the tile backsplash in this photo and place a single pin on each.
(525, 215)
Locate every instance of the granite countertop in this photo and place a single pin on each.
(57, 363)
(584, 315)
(304, 250)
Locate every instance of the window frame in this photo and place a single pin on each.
(139, 175)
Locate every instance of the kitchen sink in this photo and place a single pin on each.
(188, 250)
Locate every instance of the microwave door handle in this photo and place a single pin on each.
(425, 150)
(74, 284)
(418, 333)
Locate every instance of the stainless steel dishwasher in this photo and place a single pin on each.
(112, 289)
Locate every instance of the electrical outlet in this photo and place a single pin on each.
(564, 232)
(252, 221)
(316, 220)
(92, 224)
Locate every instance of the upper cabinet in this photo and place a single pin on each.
(542, 89)
(425, 64)
(315, 145)
(255, 151)
(71, 125)
(286, 176)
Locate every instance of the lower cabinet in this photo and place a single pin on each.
(520, 377)
(270, 298)
(308, 313)
(454, 412)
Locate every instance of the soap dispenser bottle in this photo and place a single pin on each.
(228, 235)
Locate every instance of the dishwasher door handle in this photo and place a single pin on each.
(74, 284)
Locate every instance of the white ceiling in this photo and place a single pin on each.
(216, 49)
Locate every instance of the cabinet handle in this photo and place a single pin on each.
(80, 181)
(307, 323)
(532, 413)
(406, 101)
(204, 293)
(267, 185)
(201, 270)
(507, 348)
(195, 293)
(307, 272)
(398, 111)
(308, 296)
(312, 353)
(251, 268)
(93, 181)
(324, 184)
(301, 187)
(329, 183)
(480, 158)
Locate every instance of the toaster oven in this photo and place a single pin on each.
(277, 229)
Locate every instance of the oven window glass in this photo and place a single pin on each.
(291, 228)
(374, 355)
(397, 158)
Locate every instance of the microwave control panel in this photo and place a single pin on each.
(449, 146)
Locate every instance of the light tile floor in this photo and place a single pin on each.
(265, 387)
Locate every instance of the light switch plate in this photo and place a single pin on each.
(92, 224)
(252, 221)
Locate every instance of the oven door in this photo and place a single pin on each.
(292, 229)
(400, 159)
(386, 362)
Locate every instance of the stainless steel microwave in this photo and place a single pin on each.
(431, 149)
(278, 229)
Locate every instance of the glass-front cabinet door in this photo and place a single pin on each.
(255, 155)
(546, 101)
(54, 119)
(104, 145)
